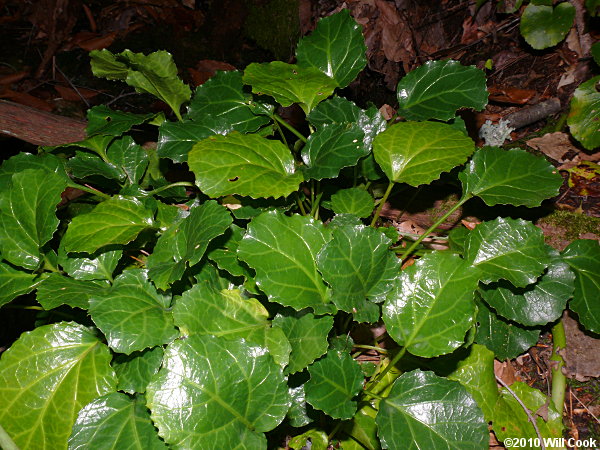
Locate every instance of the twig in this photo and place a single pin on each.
(72, 85)
(584, 406)
(529, 416)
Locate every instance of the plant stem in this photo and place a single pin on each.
(372, 394)
(289, 127)
(371, 347)
(432, 228)
(559, 381)
(392, 363)
(88, 189)
(382, 202)
(300, 204)
(281, 133)
(169, 186)
(6, 442)
(49, 266)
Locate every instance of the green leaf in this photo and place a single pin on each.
(289, 83)
(544, 26)
(361, 430)
(103, 120)
(224, 253)
(313, 439)
(506, 339)
(354, 201)
(176, 139)
(129, 157)
(85, 164)
(438, 88)
(593, 7)
(117, 220)
(584, 115)
(185, 242)
(512, 177)
(154, 74)
(511, 421)
(46, 377)
(334, 381)
(427, 411)
(221, 103)
(418, 152)
(135, 371)
(583, 256)
(212, 390)
(511, 249)
(431, 308)
(244, 164)
(338, 110)
(58, 290)
(28, 216)
(115, 421)
(282, 250)
(476, 374)
(205, 310)
(537, 304)
(297, 415)
(358, 264)
(307, 336)
(330, 149)
(100, 266)
(23, 161)
(336, 47)
(14, 282)
(132, 314)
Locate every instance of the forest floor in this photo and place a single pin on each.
(44, 64)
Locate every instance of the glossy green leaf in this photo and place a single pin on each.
(510, 249)
(313, 439)
(512, 177)
(290, 83)
(176, 139)
(224, 253)
(361, 431)
(336, 47)
(221, 103)
(218, 392)
(583, 256)
(438, 88)
(511, 421)
(100, 266)
(283, 249)
(185, 242)
(86, 164)
(354, 201)
(476, 374)
(431, 308)
(543, 26)
(358, 264)
(244, 164)
(117, 220)
(457, 239)
(58, 290)
(103, 120)
(28, 215)
(46, 377)
(307, 336)
(115, 421)
(225, 313)
(132, 314)
(427, 411)
(15, 282)
(154, 74)
(23, 161)
(334, 381)
(418, 152)
(135, 371)
(338, 110)
(129, 157)
(297, 414)
(331, 148)
(584, 114)
(506, 339)
(537, 304)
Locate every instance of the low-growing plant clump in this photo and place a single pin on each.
(220, 310)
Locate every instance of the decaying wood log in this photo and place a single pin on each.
(39, 127)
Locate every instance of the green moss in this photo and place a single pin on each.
(274, 26)
(574, 224)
